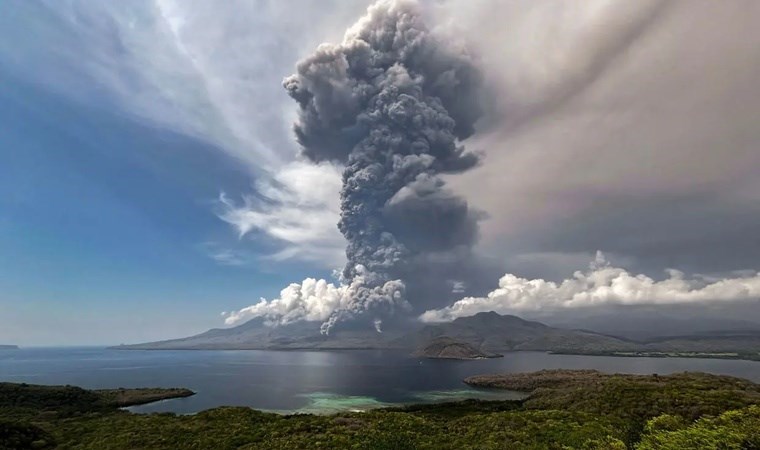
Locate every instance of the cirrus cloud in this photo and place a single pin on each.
(298, 206)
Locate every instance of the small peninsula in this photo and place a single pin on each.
(65, 398)
(132, 397)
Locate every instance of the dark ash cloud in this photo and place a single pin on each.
(391, 103)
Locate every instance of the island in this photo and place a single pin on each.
(8, 347)
(482, 335)
(569, 409)
(448, 348)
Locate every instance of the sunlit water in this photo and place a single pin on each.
(310, 381)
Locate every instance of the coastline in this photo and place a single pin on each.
(574, 408)
(622, 354)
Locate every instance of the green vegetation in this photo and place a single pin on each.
(64, 401)
(732, 430)
(565, 410)
(130, 397)
(631, 397)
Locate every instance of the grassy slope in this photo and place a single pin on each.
(565, 410)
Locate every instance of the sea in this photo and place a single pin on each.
(311, 381)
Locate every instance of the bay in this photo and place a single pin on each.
(310, 381)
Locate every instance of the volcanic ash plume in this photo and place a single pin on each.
(390, 104)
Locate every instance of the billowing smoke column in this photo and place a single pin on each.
(391, 104)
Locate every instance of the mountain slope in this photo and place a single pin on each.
(255, 335)
(483, 334)
(486, 333)
(491, 332)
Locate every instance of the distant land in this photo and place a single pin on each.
(648, 323)
(484, 332)
(8, 347)
(482, 335)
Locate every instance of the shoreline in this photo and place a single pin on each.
(620, 354)
(567, 408)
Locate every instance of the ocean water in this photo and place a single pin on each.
(310, 381)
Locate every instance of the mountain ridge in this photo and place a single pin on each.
(480, 335)
(486, 332)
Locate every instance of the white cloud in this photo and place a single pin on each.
(601, 285)
(601, 105)
(228, 257)
(207, 69)
(458, 287)
(299, 206)
(310, 300)
(318, 300)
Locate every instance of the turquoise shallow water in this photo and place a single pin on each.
(309, 381)
(330, 403)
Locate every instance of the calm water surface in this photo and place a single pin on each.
(309, 381)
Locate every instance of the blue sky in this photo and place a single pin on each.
(108, 226)
(113, 159)
(149, 177)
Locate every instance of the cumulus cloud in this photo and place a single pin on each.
(322, 301)
(601, 285)
(298, 206)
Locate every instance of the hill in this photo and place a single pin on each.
(492, 332)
